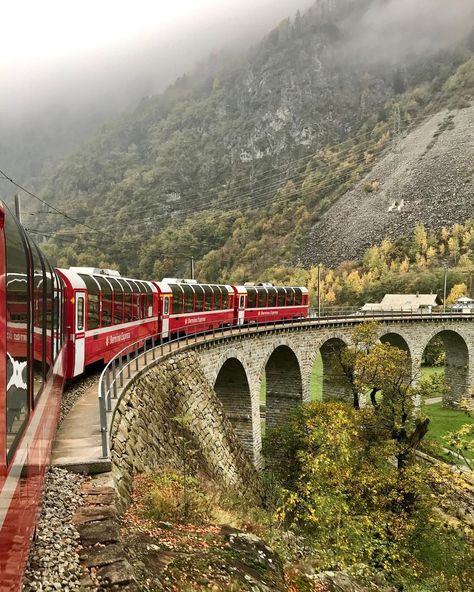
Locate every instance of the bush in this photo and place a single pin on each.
(171, 497)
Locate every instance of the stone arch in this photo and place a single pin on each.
(284, 384)
(336, 386)
(227, 355)
(457, 371)
(395, 339)
(232, 388)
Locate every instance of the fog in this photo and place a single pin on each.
(392, 30)
(71, 55)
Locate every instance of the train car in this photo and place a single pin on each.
(32, 371)
(265, 303)
(187, 307)
(105, 312)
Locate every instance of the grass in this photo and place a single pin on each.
(443, 421)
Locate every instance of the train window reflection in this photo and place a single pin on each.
(17, 317)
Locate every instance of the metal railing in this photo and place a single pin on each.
(133, 358)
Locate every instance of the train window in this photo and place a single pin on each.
(230, 300)
(136, 299)
(290, 297)
(106, 291)
(118, 301)
(199, 293)
(39, 330)
(251, 297)
(92, 301)
(147, 300)
(127, 300)
(241, 301)
(188, 298)
(177, 298)
(166, 305)
(272, 297)
(281, 296)
(80, 314)
(207, 298)
(298, 297)
(17, 330)
(57, 313)
(217, 297)
(224, 301)
(262, 297)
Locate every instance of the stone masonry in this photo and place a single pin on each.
(218, 385)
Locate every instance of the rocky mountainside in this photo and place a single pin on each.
(427, 177)
(236, 162)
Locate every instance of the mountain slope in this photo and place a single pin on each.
(428, 177)
(235, 163)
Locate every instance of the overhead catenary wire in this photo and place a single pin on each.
(31, 194)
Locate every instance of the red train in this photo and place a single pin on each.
(55, 323)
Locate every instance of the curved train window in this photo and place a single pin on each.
(298, 297)
(272, 297)
(106, 300)
(199, 298)
(281, 296)
(118, 301)
(290, 297)
(56, 314)
(225, 297)
(49, 315)
(92, 301)
(127, 300)
(188, 298)
(251, 297)
(148, 299)
(207, 298)
(39, 328)
(217, 297)
(17, 333)
(177, 298)
(262, 297)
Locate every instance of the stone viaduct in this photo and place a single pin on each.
(220, 380)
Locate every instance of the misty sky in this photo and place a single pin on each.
(84, 49)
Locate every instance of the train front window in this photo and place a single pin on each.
(17, 333)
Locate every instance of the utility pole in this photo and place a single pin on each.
(17, 207)
(445, 288)
(319, 289)
(192, 267)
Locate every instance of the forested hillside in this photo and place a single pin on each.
(236, 162)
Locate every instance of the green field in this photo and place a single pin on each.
(443, 421)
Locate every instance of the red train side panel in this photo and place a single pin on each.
(32, 362)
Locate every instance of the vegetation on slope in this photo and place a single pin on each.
(234, 163)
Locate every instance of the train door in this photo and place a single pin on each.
(241, 309)
(165, 317)
(80, 333)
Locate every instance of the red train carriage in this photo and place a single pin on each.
(188, 307)
(264, 303)
(105, 313)
(31, 377)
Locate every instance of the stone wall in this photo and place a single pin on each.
(145, 436)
